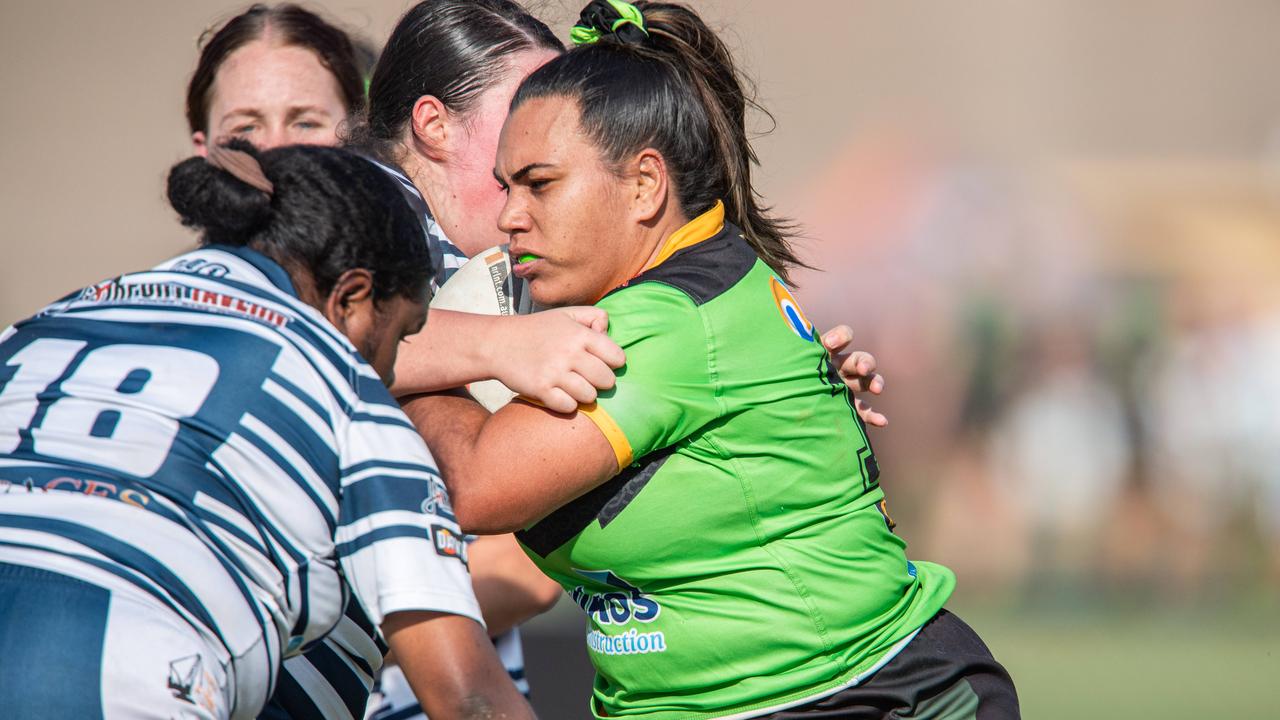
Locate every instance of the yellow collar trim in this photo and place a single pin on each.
(704, 227)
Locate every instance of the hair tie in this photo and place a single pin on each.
(243, 166)
(602, 17)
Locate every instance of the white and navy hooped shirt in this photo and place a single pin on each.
(245, 466)
(445, 256)
(334, 680)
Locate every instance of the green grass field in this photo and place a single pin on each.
(1129, 664)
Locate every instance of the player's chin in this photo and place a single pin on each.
(542, 294)
(549, 291)
(381, 355)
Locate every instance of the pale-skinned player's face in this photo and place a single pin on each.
(564, 205)
(273, 95)
(470, 165)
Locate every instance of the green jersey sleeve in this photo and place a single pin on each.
(666, 391)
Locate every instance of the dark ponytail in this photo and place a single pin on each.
(325, 211)
(672, 86)
(453, 50)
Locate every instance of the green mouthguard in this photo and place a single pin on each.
(527, 257)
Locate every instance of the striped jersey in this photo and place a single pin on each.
(201, 433)
(335, 678)
(445, 256)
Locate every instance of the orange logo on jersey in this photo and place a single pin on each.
(790, 310)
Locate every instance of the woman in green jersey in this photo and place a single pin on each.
(717, 513)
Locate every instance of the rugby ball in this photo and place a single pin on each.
(484, 286)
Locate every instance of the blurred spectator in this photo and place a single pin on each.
(1066, 365)
(1213, 409)
(1060, 449)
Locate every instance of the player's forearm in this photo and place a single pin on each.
(452, 667)
(453, 349)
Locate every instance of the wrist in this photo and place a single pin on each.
(471, 342)
(484, 342)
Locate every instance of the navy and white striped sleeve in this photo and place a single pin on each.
(397, 539)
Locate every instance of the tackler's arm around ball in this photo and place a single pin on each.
(558, 357)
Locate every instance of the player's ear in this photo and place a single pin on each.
(199, 143)
(648, 183)
(350, 305)
(430, 122)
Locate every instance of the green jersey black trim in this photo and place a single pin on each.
(704, 271)
(603, 504)
(744, 564)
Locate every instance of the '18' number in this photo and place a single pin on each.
(118, 409)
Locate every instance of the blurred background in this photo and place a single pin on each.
(1055, 223)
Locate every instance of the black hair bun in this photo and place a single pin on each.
(227, 209)
(604, 17)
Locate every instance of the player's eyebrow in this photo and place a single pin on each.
(249, 112)
(520, 174)
(299, 110)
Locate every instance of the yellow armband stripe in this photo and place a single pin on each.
(617, 439)
(612, 432)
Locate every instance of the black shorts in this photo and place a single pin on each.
(945, 673)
